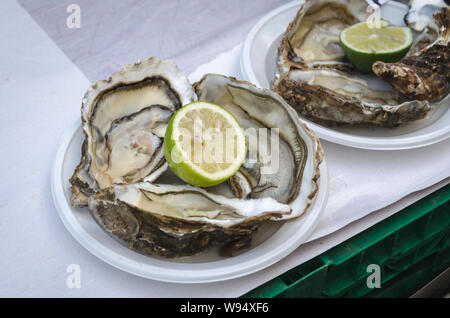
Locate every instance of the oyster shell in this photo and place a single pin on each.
(296, 145)
(170, 219)
(312, 39)
(124, 120)
(331, 98)
(321, 85)
(177, 220)
(425, 74)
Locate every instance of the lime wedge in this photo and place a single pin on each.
(364, 43)
(204, 144)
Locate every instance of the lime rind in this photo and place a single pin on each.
(179, 161)
(381, 49)
(185, 157)
(407, 31)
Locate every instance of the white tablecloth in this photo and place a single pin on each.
(118, 32)
(40, 94)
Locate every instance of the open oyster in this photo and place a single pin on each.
(124, 120)
(266, 118)
(425, 74)
(311, 40)
(321, 85)
(169, 218)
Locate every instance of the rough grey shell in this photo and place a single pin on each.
(425, 74)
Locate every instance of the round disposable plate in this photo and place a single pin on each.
(271, 244)
(258, 66)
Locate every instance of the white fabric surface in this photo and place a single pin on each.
(118, 32)
(40, 94)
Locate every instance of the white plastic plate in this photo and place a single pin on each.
(269, 246)
(258, 66)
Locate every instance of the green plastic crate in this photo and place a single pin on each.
(411, 247)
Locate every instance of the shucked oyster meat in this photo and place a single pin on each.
(312, 39)
(169, 218)
(319, 82)
(124, 120)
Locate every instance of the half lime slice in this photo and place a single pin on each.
(365, 43)
(204, 144)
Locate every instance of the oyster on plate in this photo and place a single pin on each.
(316, 79)
(150, 210)
(425, 74)
(124, 120)
(174, 219)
